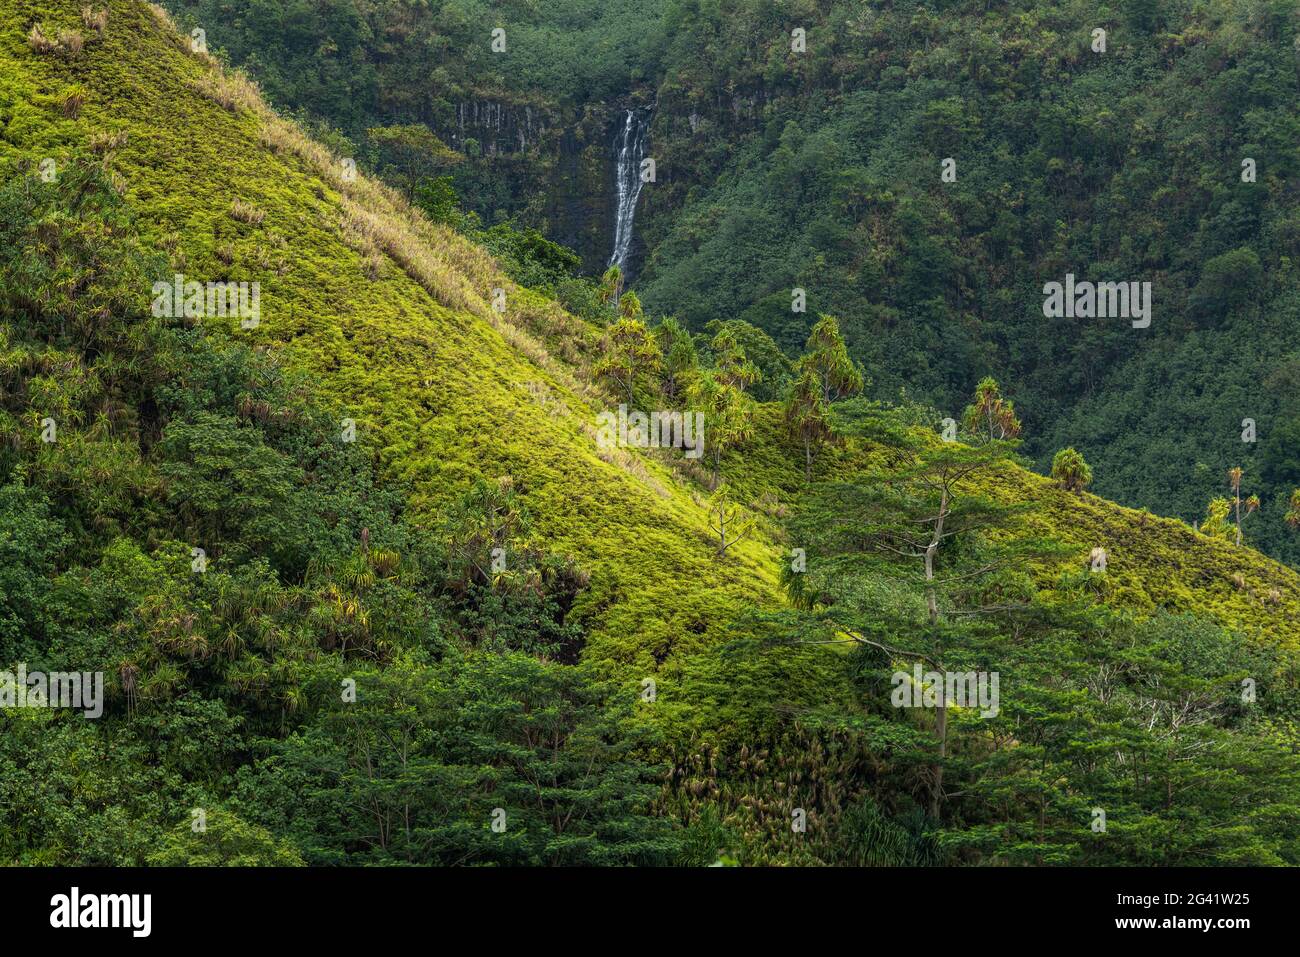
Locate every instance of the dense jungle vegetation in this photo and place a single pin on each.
(821, 170)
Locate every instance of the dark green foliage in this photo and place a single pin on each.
(31, 543)
(419, 767)
(1024, 785)
(774, 368)
(437, 198)
(309, 568)
(410, 153)
(1070, 469)
(501, 588)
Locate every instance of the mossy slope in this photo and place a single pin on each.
(393, 318)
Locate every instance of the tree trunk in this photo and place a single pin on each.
(940, 732)
(932, 605)
(931, 599)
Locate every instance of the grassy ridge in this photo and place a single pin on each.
(392, 317)
(389, 314)
(1155, 562)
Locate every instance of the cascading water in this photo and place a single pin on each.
(631, 151)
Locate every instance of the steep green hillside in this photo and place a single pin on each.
(819, 167)
(392, 317)
(172, 432)
(439, 384)
(1126, 165)
(535, 120)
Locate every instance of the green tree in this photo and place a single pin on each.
(915, 563)
(611, 285)
(825, 373)
(31, 543)
(631, 360)
(629, 307)
(223, 841)
(827, 358)
(774, 367)
(730, 363)
(1228, 281)
(1070, 471)
(991, 417)
(230, 488)
(489, 759)
(728, 416)
(680, 360)
(1252, 503)
(412, 152)
(437, 197)
(1217, 523)
(729, 519)
(807, 415)
(501, 589)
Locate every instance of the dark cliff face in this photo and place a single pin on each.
(552, 168)
(692, 138)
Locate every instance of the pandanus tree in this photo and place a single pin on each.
(719, 393)
(990, 416)
(728, 416)
(1252, 503)
(825, 373)
(1071, 471)
(611, 285)
(629, 306)
(680, 360)
(828, 360)
(807, 414)
(731, 364)
(1216, 523)
(631, 358)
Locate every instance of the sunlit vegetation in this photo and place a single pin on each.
(366, 588)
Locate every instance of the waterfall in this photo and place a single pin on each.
(630, 147)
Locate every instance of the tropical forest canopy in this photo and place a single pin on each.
(392, 574)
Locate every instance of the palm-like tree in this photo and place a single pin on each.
(1252, 503)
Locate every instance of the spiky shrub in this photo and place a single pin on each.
(1217, 523)
(103, 143)
(1070, 471)
(246, 213)
(72, 103)
(96, 20)
(71, 42)
(39, 42)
